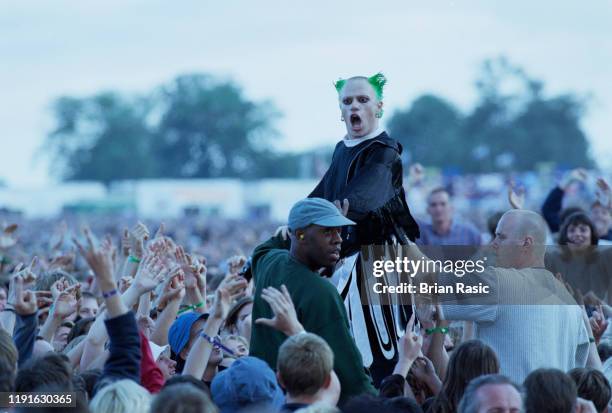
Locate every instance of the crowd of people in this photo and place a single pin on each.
(134, 322)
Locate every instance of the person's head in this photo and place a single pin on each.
(189, 380)
(8, 362)
(578, 232)
(439, 206)
(47, 279)
(248, 383)
(368, 403)
(183, 398)
(184, 332)
(161, 355)
(88, 305)
(549, 391)
(305, 365)
(122, 396)
(60, 339)
(90, 379)
(315, 225)
(520, 239)
(238, 319)
(491, 393)
(592, 385)
(50, 369)
(3, 297)
(360, 100)
(469, 360)
(602, 218)
(237, 344)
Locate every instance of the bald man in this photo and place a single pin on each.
(527, 316)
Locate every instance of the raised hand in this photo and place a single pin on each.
(409, 348)
(344, 207)
(23, 301)
(125, 242)
(283, 230)
(604, 194)
(138, 235)
(285, 318)
(66, 303)
(599, 324)
(236, 263)
(578, 174)
(99, 260)
(7, 236)
(151, 272)
(516, 196)
(174, 289)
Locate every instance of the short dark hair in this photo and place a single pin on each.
(50, 369)
(604, 348)
(549, 391)
(577, 218)
(367, 403)
(469, 402)
(184, 398)
(438, 190)
(90, 379)
(80, 328)
(592, 385)
(46, 280)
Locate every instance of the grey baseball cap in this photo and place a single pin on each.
(316, 211)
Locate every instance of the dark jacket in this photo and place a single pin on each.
(26, 328)
(369, 175)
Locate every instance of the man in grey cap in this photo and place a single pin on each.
(315, 226)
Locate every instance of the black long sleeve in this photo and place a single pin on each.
(25, 335)
(552, 207)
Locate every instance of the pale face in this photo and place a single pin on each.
(359, 105)
(88, 307)
(507, 246)
(499, 398)
(237, 346)
(439, 207)
(579, 237)
(167, 366)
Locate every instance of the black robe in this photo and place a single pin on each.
(370, 176)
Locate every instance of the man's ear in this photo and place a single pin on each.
(327, 381)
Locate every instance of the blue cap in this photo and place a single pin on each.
(248, 383)
(178, 335)
(316, 211)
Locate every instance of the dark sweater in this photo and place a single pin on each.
(319, 309)
(124, 359)
(24, 337)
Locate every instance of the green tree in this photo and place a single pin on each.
(103, 138)
(208, 129)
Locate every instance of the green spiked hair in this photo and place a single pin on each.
(377, 82)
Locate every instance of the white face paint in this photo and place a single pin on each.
(359, 106)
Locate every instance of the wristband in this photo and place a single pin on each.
(430, 331)
(131, 258)
(215, 343)
(10, 309)
(109, 294)
(198, 305)
(591, 339)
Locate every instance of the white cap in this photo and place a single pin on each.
(158, 350)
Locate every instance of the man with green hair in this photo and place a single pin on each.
(366, 171)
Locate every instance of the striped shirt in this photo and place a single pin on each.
(525, 336)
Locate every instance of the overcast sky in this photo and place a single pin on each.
(289, 52)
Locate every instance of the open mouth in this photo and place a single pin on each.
(355, 120)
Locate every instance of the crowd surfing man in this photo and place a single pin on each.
(314, 228)
(366, 173)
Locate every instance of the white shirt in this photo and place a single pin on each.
(354, 142)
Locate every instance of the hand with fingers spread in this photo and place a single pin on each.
(151, 272)
(236, 263)
(604, 193)
(575, 175)
(409, 348)
(99, 260)
(27, 273)
(174, 289)
(65, 303)
(138, 235)
(285, 318)
(283, 231)
(226, 295)
(344, 207)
